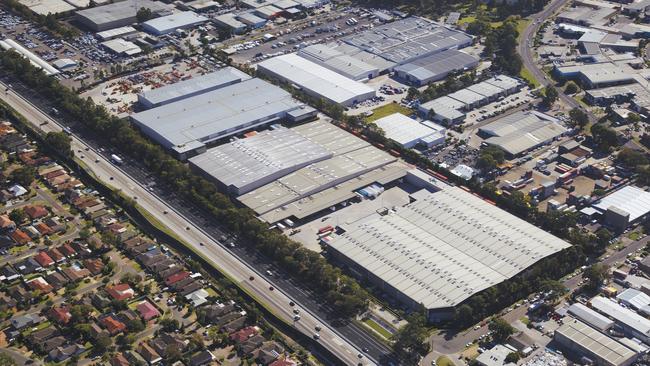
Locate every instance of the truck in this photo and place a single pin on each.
(116, 159)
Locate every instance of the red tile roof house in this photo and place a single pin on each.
(119, 360)
(147, 311)
(43, 259)
(67, 250)
(56, 255)
(36, 212)
(43, 229)
(244, 333)
(20, 237)
(120, 292)
(176, 277)
(113, 325)
(6, 224)
(95, 266)
(60, 314)
(39, 283)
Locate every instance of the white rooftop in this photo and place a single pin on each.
(174, 21)
(406, 131)
(622, 315)
(595, 342)
(630, 199)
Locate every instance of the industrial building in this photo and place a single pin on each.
(10, 44)
(230, 22)
(580, 340)
(634, 299)
(45, 7)
(440, 249)
(624, 207)
(408, 132)
(522, 131)
(339, 62)
(316, 80)
(588, 316)
(170, 23)
(122, 47)
(249, 163)
(118, 14)
(632, 324)
(597, 75)
(353, 164)
(435, 67)
(188, 125)
(408, 39)
(121, 32)
(191, 87)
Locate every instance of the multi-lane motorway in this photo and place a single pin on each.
(349, 343)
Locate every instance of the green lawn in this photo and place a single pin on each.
(525, 320)
(378, 328)
(521, 25)
(528, 76)
(444, 361)
(635, 235)
(387, 110)
(18, 249)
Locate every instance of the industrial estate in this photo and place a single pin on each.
(322, 182)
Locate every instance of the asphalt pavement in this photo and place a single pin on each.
(345, 341)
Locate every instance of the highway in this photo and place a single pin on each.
(525, 49)
(199, 231)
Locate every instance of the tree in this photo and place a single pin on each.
(550, 96)
(59, 142)
(512, 357)
(604, 137)
(596, 275)
(571, 88)
(143, 14)
(169, 324)
(555, 289)
(18, 215)
(24, 175)
(102, 343)
(578, 117)
(631, 158)
(6, 360)
(633, 118)
(501, 329)
(410, 341)
(135, 325)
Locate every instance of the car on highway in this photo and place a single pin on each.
(316, 336)
(296, 311)
(296, 317)
(317, 328)
(291, 303)
(271, 288)
(269, 273)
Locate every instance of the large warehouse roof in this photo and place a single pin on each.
(170, 23)
(316, 79)
(622, 315)
(444, 247)
(590, 317)
(246, 164)
(437, 66)
(191, 123)
(407, 39)
(334, 60)
(630, 199)
(408, 132)
(595, 342)
(101, 17)
(522, 131)
(598, 74)
(191, 87)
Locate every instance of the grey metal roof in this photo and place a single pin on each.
(229, 20)
(194, 86)
(120, 10)
(407, 131)
(592, 342)
(521, 131)
(629, 199)
(621, 315)
(444, 247)
(467, 96)
(250, 19)
(407, 39)
(246, 164)
(174, 21)
(442, 63)
(590, 317)
(634, 298)
(346, 65)
(216, 114)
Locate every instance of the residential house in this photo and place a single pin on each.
(56, 255)
(6, 242)
(31, 232)
(67, 250)
(40, 284)
(61, 354)
(6, 224)
(251, 344)
(7, 303)
(8, 273)
(75, 273)
(170, 271)
(17, 190)
(100, 301)
(112, 325)
(51, 344)
(244, 334)
(43, 259)
(95, 266)
(121, 291)
(135, 358)
(27, 266)
(149, 354)
(43, 229)
(23, 321)
(176, 277)
(215, 311)
(234, 324)
(35, 211)
(147, 310)
(20, 237)
(19, 293)
(269, 352)
(190, 288)
(198, 297)
(57, 280)
(42, 335)
(202, 358)
(54, 224)
(165, 341)
(60, 314)
(96, 330)
(119, 360)
(284, 362)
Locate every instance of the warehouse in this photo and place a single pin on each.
(251, 20)
(634, 299)
(521, 132)
(633, 324)
(580, 340)
(469, 98)
(595, 320)
(408, 132)
(186, 126)
(119, 14)
(445, 110)
(440, 249)
(435, 67)
(353, 164)
(191, 87)
(508, 84)
(122, 47)
(316, 80)
(408, 39)
(170, 23)
(624, 207)
(229, 22)
(121, 32)
(596, 75)
(39, 63)
(249, 163)
(45, 7)
(379, 62)
(345, 65)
